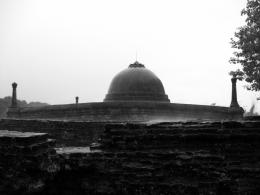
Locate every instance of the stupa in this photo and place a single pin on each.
(136, 83)
(135, 94)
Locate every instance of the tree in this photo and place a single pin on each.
(6, 102)
(247, 45)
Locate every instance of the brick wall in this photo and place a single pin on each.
(65, 133)
(165, 158)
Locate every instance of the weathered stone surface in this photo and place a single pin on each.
(167, 158)
(64, 132)
(27, 160)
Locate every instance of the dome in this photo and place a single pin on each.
(136, 83)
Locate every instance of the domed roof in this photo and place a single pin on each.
(136, 83)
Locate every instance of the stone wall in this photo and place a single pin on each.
(27, 162)
(128, 112)
(167, 158)
(66, 133)
(181, 158)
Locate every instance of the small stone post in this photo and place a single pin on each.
(14, 98)
(234, 103)
(77, 100)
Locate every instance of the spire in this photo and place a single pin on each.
(136, 64)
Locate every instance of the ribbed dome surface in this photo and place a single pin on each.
(136, 83)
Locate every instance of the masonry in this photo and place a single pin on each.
(165, 158)
(128, 111)
(65, 133)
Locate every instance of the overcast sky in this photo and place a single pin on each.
(58, 49)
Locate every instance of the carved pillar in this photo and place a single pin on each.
(77, 100)
(14, 98)
(234, 103)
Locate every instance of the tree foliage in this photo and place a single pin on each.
(6, 102)
(247, 45)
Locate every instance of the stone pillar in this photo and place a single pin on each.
(77, 100)
(234, 103)
(14, 98)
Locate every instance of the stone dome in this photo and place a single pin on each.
(136, 83)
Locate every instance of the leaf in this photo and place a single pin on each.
(246, 43)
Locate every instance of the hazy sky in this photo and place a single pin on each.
(58, 49)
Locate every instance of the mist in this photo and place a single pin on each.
(58, 49)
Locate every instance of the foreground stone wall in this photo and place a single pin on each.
(166, 158)
(187, 158)
(27, 162)
(66, 133)
(128, 112)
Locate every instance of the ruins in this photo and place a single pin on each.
(135, 142)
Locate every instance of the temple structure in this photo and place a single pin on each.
(136, 83)
(135, 94)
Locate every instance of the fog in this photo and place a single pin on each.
(58, 49)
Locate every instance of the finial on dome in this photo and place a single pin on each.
(136, 64)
